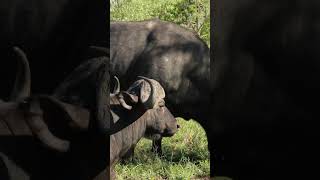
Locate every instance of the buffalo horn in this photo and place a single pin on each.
(41, 130)
(23, 77)
(116, 89)
(123, 103)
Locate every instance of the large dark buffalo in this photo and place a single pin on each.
(54, 34)
(42, 137)
(170, 54)
(265, 89)
(147, 114)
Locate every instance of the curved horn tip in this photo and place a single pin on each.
(21, 53)
(16, 48)
(22, 84)
(116, 89)
(143, 77)
(124, 104)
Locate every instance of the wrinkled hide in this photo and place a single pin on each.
(88, 86)
(265, 89)
(175, 57)
(54, 34)
(155, 121)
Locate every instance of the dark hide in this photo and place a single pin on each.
(168, 53)
(54, 34)
(42, 137)
(265, 93)
(156, 122)
(85, 158)
(88, 86)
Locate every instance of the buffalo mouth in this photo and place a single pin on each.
(154, 136)
(168, 133)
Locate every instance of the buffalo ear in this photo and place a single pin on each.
(140, 88)
(144, 90)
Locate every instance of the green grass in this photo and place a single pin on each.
(134, 10)
(185, 156)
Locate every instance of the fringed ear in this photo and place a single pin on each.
(154, 91)
(144, 91)
(68, 115)
(139, 90)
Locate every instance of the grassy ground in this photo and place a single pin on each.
(185, 156)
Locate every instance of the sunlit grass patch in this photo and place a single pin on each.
(185, 155)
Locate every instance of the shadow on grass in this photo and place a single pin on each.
(180, 156)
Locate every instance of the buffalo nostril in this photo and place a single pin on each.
(178, 126)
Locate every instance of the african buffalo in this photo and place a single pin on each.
(42, 137)
(174, 56)
(87, 86)
(147, 114)
(265, 89)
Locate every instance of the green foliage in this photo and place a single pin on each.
(135, 10)
(185, 155)
(192, 14)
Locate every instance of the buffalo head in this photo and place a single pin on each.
(145, 99)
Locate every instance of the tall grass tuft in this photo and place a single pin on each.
(185, 156)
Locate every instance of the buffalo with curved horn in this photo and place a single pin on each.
(141, 108)
(46, 138)
(146, 117)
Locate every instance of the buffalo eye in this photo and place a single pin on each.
(161, 103)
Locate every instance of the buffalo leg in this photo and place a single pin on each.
(129, 154)
(156, 146)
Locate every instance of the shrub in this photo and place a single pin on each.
(192, 14)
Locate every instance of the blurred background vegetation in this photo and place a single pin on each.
(192, 14)
(185, 155)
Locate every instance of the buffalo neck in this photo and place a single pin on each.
(125, 139)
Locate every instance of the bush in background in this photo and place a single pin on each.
(191, 14)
